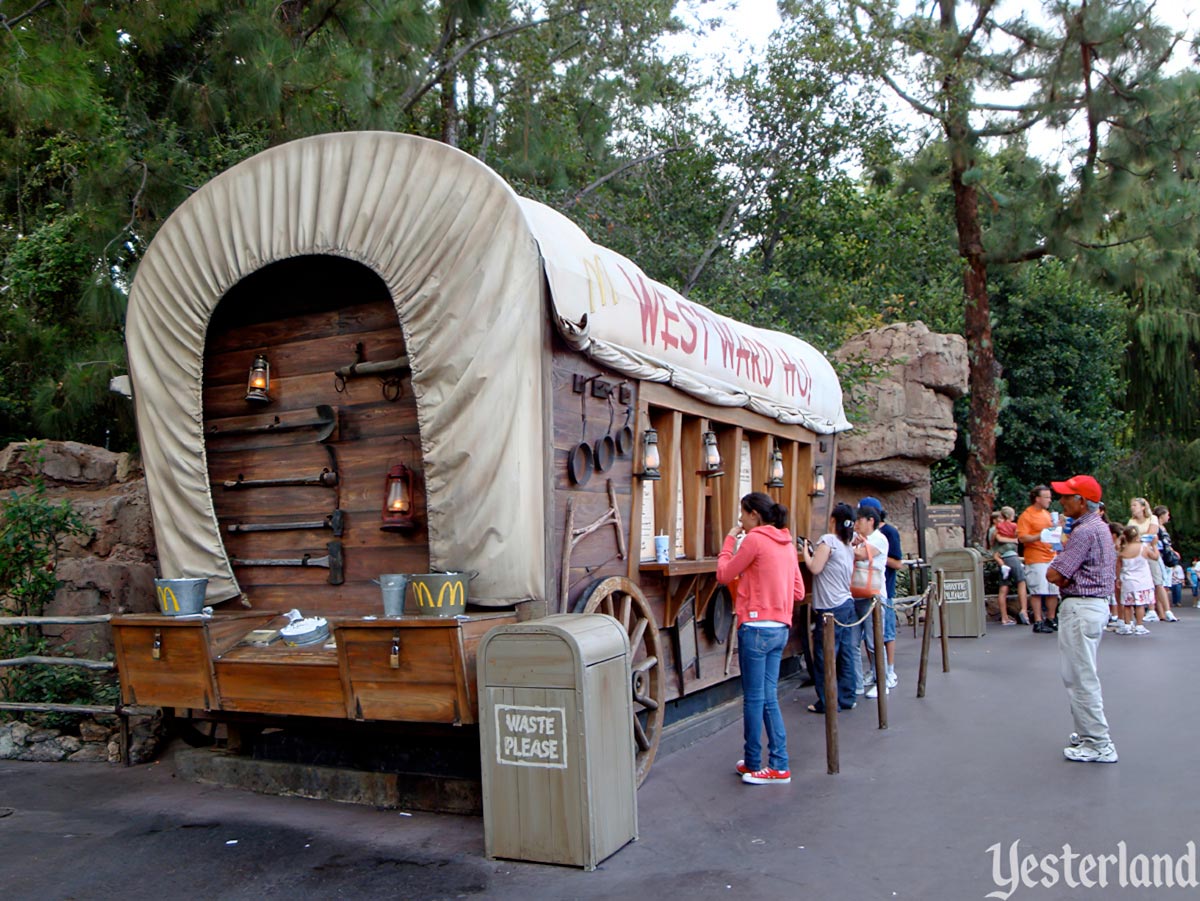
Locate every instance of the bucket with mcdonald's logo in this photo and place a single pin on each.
(180, 597)
(437, 594)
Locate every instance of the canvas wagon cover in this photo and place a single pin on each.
(459, 253)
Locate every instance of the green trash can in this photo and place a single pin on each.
(556, 740)
(966, 604)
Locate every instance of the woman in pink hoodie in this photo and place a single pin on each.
(768, 572)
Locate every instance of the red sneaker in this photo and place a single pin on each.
(742, 769)
(767, 776)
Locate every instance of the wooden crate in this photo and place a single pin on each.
(412, 668)
(168, 661)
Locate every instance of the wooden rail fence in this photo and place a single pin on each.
(118, 710)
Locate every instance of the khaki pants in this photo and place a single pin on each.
(1081, 623)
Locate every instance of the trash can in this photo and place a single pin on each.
(966, 605)
(556, 739)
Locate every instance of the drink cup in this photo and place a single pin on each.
(661, 550)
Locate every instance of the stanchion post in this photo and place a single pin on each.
(926, 635)
(829, 643)
(880, 663)
(941, 599)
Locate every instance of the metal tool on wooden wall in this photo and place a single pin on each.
(390, 373)
(335, 521)
(323, 418)
(334, 561)
(624, 437)
(606, 447)
(326, 478)
(580, 460)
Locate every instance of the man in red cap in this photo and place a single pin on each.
(1085, 573)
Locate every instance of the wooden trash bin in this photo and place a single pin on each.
(556, 738)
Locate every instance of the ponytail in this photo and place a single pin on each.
(771, 513)
(843, 522)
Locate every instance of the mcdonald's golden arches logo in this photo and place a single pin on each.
(600, 285)
(452, 594)
(166, 599)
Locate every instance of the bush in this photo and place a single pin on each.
(31, 531)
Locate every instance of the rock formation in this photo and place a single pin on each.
(909, 421)
(111, 567)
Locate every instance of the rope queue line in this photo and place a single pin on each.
(934, 596)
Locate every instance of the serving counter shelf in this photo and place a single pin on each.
(408, 668)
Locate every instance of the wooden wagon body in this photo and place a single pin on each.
(418, 318)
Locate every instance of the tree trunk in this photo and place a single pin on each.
(981, 421)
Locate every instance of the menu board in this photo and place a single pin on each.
(745, 482)
(647, 548)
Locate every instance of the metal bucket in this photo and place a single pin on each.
(180, 597)
(437, 594)
(392, 587)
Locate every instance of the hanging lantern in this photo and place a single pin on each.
(712, 456)
(651, 461)
(775, 479)
(398, 500)
(258, 386)
(818, 481)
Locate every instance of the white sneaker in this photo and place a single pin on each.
(860, 691)
(869, 676)
(892, 680)
(1140, 630)
(1150, 617)
(873, 691)
(1171, 617)
(1124, 629)
(1090, 754)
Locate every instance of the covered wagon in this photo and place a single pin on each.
(363, 354)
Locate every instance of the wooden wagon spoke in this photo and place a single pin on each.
(639, 735)
(635, 637)
(647, 702)
(646, 665)
(622, 599)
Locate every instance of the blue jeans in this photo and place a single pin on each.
(759, 653)
(889, 624)
(863, 631)
(844, 653)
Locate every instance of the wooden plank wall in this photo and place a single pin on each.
(596, 556)
(307, 315)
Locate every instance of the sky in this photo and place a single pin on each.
(747, 27)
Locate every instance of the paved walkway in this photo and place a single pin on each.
(911, 816)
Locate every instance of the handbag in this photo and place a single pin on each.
(865, 581)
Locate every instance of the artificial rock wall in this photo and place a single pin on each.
(111, 567)
(909, 423)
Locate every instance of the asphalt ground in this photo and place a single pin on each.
(976, 763)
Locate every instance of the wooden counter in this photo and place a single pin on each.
(410, 668)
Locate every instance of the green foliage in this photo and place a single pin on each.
(31, 530)
(1164, 470)
(1060, 344)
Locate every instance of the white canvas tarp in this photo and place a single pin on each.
(459, 252)
(448, 238)
(611, 310)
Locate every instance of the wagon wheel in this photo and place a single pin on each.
(623, 601)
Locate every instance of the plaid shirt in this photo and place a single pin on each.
(1089, 561)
